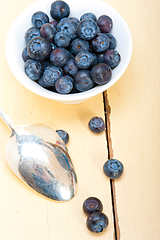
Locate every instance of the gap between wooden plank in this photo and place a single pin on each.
(107, 111)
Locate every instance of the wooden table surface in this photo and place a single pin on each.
(132, 113)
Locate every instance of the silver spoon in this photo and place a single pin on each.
(38, 156)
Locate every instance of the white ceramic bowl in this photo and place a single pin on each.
(15, 44)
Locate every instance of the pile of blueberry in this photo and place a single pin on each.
(69, 55)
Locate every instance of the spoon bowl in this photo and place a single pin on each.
(39, 157)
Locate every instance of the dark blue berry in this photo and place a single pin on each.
(89, 15)
(83, 81)
(64, 85)
(48, 31)
(112, 58)
(62, 39)
(112, 41)
(84, 59)
(97, 222)
(69, 26)
(92, 204)
(96, 124)
(64, 135)
(59, 10)
(78, 45)
(105, 23)
(39, 18)
(101, 73)
(59, 57)
(100, 43)
(39, 48)
(33, 69)
(70, 68)
(31, 33)
(113, 168)
(25, 55)
(87, 29)
(42, 83)
(51, 75)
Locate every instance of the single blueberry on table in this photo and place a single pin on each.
(48, 31)
(84, 59)
(59, 57)
(70, 68)
(100, 43)
(33, 69)
(89, 15)
(113, 168)
(59, 10)
(25, 55)
(69, 26)
(31, 33)
(83, 81)
(105, 23)
(92, 204)
(62, 39)
(64, 135)
(78, 45)
(87, 29)
(51, 75)
(39, 18)
(39, 48)
(97, 222)
(96, 125)
(112, 58)
(101, 73)
(64, 85)
(112, 41)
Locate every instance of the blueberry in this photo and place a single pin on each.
(100, 43)
(89, 15)
(97, 222)
(64, 85)
(105, 23)
(33, 69)
(25, 55)
(87, 29)
(39, 18)
(42, 83)
(71, 68)
(62, 39)
(59, 10)
(112, 58)
(78, 45)
(51, 75)
(101, 73)
(64, 135)
(112, 41)
(39, 48)
(31, 33)
(96, 124)
(84, 59)
(92, 204)
(48, 31)
(69, 26)
(83, 81)
(59, 57)
(113, 168)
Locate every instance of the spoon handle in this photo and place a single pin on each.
(7, 119)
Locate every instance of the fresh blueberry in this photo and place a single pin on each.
(89, 15)
(112, 58)
(31, 33)
(51, 75)
(70, 68)
(92, 204)
(84, 59)
(25, 55)
(33, 69)
(96, 124)
(87, 29)
(105, 23)
(69, 26)
(100, 43)
(48, 31)
(97, 222)
(59, 10)
(64, 135)
(42, 83)
(78, 45)
(39, 18)
(59, 57)
(112, 41)
(83, 81)
(39, 48)
(64, 85)
(113, 168)
(101, 73)
(74, 18)
(62, 39)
